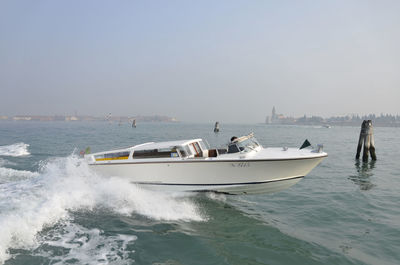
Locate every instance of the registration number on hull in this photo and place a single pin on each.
(241, 164)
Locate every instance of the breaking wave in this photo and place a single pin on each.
(64, 185)
(17, 149)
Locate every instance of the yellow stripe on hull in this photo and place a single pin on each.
(112, 158)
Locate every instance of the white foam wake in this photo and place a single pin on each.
(17, 149)
(88, 246)
(67, 184)
(9, 174)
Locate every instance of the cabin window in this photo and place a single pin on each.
(112, 156)
(184, 151)
(155, 153)
(169, 152)
(203, 145)
(197, 149)
(187, 149)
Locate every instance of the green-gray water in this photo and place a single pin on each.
(54, 210)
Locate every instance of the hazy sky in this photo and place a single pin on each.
(204, 61)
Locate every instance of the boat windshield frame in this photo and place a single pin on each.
(245, 144)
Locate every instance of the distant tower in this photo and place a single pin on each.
(273, 115)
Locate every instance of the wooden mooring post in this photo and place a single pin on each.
(216, 127)
(366, 137)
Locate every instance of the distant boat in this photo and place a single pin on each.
(134, 123)
(108, 117)
(327, 126)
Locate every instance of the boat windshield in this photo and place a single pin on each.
(243, 144)
(248, 144)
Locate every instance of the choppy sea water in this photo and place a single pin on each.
(55, 210)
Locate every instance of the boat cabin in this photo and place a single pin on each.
(183, 149)
(173, 149)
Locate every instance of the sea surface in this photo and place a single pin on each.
(55, 210)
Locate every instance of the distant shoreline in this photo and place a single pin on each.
(338, 124)
(383, 120)
(322, 125)
(77, 118)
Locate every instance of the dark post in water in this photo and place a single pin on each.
(216, 127)
(366, 137)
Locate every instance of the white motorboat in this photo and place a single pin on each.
(243, 167)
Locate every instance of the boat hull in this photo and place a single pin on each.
(237, 189)
(227, 176)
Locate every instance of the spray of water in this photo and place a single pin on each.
(9, 174)
(67, 184)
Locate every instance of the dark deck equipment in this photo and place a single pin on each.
(305, 144)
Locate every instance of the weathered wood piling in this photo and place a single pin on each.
(366, 138)
(216, 127)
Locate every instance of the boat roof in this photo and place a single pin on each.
(151, 145)
(168, 144)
